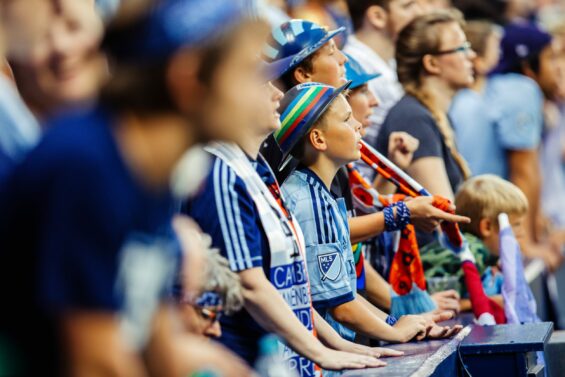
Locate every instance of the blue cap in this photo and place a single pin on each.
(520, 42)
(173, 24)
(276, 69)
(356, 74)
(296, 39)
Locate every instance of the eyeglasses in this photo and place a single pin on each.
(212, 315)
(465, 47)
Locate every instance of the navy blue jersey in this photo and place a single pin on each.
(225, 210)
(71, 214)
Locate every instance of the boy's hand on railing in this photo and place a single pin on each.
(410, 327)
(426, 217)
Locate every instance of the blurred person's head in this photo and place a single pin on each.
(429, 6)
(207, 69)
(482, 199)
(221, 294)
(387, 17)
(519, 9)
(484, 37)
(316, 57)
(268, 117)
(360, 97)
(434, 47)
(53, 52)
(530, 51)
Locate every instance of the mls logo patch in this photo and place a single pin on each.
(330, 265)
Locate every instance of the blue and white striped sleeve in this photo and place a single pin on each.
(225, 210)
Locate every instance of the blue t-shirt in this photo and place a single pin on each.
(226, 211)
(506, 116)
(330, 261)
(78, 232)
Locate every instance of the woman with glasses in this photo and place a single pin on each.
(434, 61)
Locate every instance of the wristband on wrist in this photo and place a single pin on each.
(391, 320)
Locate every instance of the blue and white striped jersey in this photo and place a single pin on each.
(330, 261)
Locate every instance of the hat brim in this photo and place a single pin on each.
(287, 156)
(363, 79)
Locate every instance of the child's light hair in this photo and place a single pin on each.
(486, 196)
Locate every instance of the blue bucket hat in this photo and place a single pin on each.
(520, 42)
(300, 108)
(174, 24)
(356, 74)
(296, 39)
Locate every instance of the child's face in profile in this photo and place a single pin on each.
(341, 133)
(491, 238)
(328, 65)
(362, 101)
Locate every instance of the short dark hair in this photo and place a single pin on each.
(358, 8)
(288, 79)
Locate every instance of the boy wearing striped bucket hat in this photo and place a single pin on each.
(319, 131)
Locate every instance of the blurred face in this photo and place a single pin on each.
(53, 50)
(231, 103)
(428, 6)
(201, 321)
(362, 101)
(454, 61)
(342, 133)
(268, 117)
(401, 13)
(550, 76)
(486, 63)
(328, 66)
(518, 227)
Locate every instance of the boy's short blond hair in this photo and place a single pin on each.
(486, 196)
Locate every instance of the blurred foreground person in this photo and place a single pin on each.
(85, 231)
(53, 51)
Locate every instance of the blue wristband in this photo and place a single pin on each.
(390, 224)
(402, 215)
(391, 320)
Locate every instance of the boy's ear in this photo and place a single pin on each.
(317, 140)
(377, 17)
(486, 227)
(301, 76)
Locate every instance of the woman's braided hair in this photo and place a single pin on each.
(419, 38)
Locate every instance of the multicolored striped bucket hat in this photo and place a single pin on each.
(300, 108)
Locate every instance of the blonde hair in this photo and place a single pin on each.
(486, 196)
(421, 37)
(221, 279)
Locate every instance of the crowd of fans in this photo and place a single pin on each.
(179, 179)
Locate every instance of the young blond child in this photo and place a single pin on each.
(482, 199)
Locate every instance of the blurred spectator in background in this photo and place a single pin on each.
(429, 6)
(331, 14)
(376, 25)
(434, 61)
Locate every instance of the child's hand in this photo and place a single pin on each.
(401, 148)
(447, 300)
(410, 326)
(426, 217)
